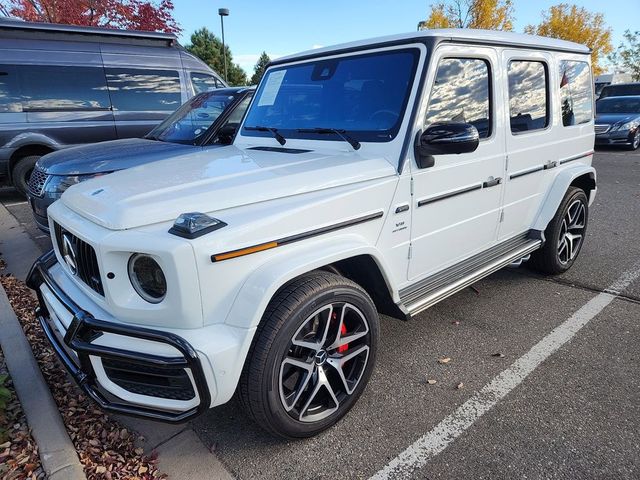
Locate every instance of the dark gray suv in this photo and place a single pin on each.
(63, 85)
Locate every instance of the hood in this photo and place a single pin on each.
(212, 180)
(611, 118)
(109, 156)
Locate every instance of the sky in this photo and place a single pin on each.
(282, 27)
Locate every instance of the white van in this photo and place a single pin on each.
(379, 176)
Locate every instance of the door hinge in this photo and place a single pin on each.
(410, 248)
(501, 215)
(506, 162)
(411, 186)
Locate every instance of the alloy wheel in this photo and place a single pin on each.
(572, 232)
(636, 139)
(324, 362)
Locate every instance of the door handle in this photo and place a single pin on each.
(550, 164)
(492, 182)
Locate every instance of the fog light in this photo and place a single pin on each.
(147, 278)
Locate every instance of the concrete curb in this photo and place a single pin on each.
(57, 453)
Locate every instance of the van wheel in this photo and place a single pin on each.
(22, 172)
(564, 235)
(312, 355)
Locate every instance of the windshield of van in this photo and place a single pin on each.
(618, 105)
(363, 96)
(189, 124)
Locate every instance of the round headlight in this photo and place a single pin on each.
(147, 278)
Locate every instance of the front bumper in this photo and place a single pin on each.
(78, 347)
(616, 137)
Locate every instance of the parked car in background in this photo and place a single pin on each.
(382, 175)
(618, 121)
(63, 85)
(620, 89)
(605, 79)
(207, 121)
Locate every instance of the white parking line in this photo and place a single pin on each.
(434, 442)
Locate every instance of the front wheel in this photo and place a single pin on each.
(311, 357)
(22, 172)
(635, 140)
(564, 235)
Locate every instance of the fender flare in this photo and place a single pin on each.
(558, 188)
(27, 139)
(262, 284)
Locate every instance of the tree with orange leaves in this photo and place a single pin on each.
(577, 24)
(485, 14)
(129, 14)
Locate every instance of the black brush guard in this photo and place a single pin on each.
(84, 328)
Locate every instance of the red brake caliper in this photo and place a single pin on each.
(345, 347)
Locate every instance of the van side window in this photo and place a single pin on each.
(9, 90)
(137, 90)
(576, 97)
(203, 82)
(50, 88)
(528, 87)
(460, 93)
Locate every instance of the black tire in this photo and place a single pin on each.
(635, 140)
(291, 309)
(549, 260)
(22, 172)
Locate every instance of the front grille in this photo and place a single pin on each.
(86, 261)
(169, 383)
(36, 182)
(602, 128)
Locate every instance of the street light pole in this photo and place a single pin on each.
(223, 12)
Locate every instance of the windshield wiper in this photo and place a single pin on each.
(328, 131)
(281, 140)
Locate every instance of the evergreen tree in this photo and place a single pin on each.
(258, 70)
(208, 48)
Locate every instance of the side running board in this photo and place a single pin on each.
(429, 291)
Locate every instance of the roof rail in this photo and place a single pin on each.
(12, 25)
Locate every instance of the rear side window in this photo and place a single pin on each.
(620, 90)
(576, 96)
(50, 88)
(461, 94)
(528, 106)
(139, 90)
(9, 90)
(204, 83)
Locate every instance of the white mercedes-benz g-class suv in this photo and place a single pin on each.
(376, 176)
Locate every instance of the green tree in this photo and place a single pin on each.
(576, 24)
(627, 55)
(258, 70)
(208, 48)
(485, 14)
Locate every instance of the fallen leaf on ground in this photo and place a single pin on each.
(431, 381)
(498, 354)
(444, 360)
(460, 385)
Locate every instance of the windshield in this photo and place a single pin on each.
(364, 95)
(618, 105)
(189, 124)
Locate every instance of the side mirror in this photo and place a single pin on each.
(445, 139)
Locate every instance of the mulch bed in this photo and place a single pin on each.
(18, 452)
(106, 449)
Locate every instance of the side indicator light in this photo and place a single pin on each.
(243, 251)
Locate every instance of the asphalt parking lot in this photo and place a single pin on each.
(571, 404)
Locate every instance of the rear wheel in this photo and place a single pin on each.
(312, 355)
(22, 172)
(564, 235)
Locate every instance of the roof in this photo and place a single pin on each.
(491, 37)
(83, 33)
